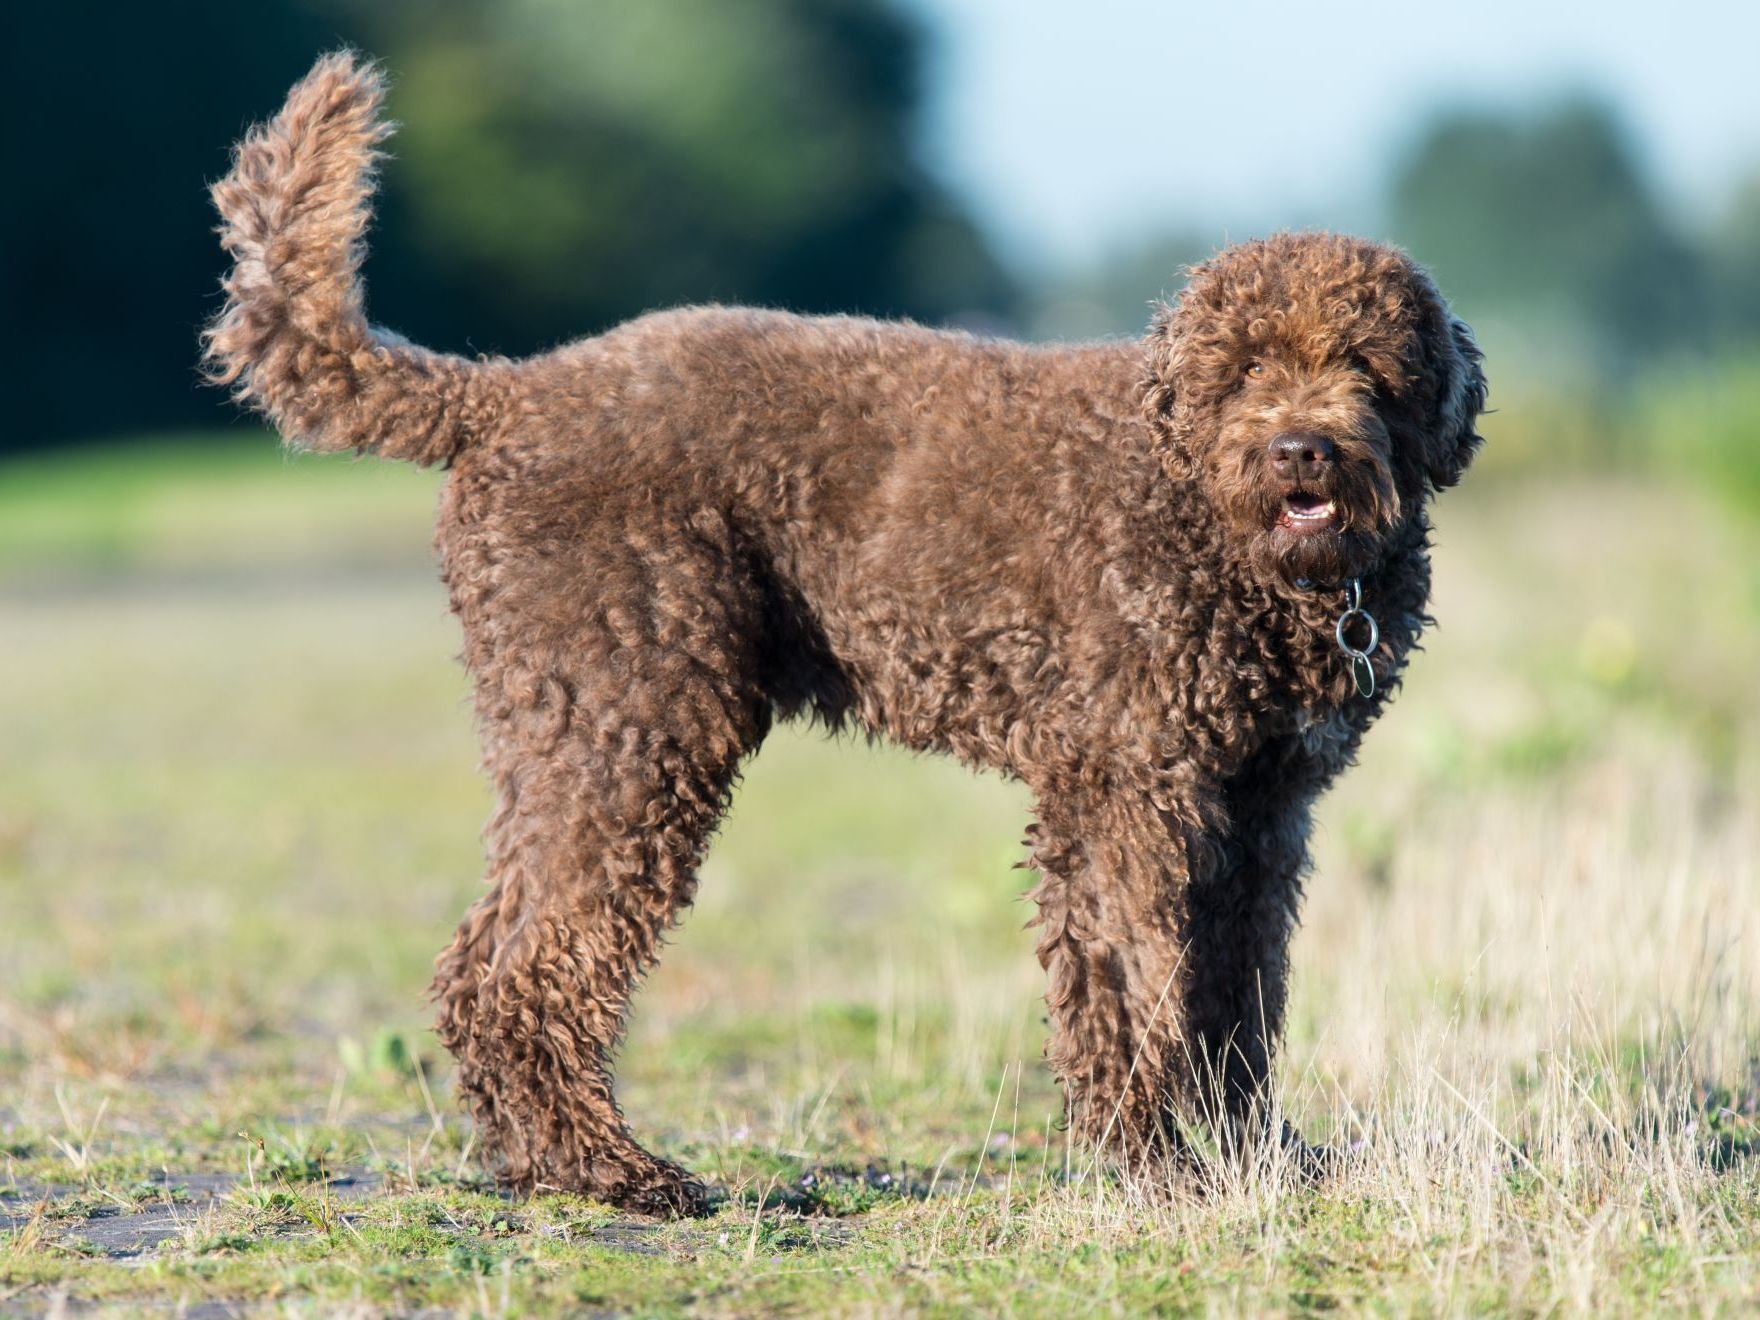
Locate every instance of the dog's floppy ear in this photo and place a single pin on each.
(1168, 407)
(1456, 364)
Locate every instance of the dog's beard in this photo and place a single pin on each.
(1364, 505)
(1321, 557)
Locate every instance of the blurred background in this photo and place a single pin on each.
(231, 739)
(1588, 194)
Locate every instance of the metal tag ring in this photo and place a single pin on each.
(1344, 622)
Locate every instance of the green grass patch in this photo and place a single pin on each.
(228, 501)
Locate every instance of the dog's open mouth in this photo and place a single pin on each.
(1305, 512)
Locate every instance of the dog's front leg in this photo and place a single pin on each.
(1239, 922)
(1240, 916)
(1113, 940)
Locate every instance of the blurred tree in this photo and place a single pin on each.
(565, 166)
(572, 165)
(1547, 221)
(116, 116)
(1734, 265)
(1114, 297)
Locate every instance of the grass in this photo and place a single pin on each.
(238, 816)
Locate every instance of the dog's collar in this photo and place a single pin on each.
(1309, 584)
(1362, 669)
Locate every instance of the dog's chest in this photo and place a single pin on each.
(1324, 734)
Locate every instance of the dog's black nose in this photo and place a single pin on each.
(1298, 454)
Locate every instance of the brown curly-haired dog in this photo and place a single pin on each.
(1114, 571)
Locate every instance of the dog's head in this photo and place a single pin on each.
(1318, 389)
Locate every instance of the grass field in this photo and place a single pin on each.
(238, 817)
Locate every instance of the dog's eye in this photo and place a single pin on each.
(1256, 370)
(1360, 365)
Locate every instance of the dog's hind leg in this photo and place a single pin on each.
(614, 730)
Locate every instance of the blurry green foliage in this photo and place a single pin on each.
(1117, 297)
(1705, 420)
(1694, 420)
(1733, 262)
(565, 166)
(116, 118)
(568, 165)
(1546, 219)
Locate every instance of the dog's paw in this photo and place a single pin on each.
(664, 1192)
(1317, 1164)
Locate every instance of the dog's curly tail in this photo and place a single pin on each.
(293, 340)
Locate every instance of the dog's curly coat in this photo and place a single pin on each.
(1111, 570)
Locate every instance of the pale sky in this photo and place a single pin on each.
(1074, 127)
